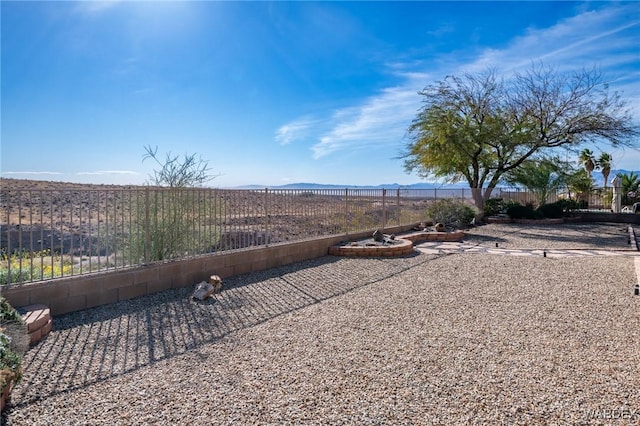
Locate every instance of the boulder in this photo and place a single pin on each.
(205, 290)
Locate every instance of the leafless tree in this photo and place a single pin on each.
(174, 172)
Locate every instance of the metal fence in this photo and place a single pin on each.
(47, 234)
(598, 199)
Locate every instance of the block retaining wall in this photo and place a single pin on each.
(81, 292)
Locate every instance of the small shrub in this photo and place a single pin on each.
(510, 203)
(10, 361)
(8, 313)
(13, 335)
(552, 210)
(568, 205)
(452, 213)
(493, 206)
(523, 212)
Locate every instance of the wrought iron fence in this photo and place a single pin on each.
(598, 199)
(47, 234)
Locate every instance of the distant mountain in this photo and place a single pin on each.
(596, 175)
(599, 179)
(309, 186)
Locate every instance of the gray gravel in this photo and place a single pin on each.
(454, 339)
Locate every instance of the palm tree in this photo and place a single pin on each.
(581, 183)
(587, 160)
(630, 184)
(604, 162)
(541, 178)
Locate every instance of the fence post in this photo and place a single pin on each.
(267, 237)
(384, 208)
(346, 211)
(398, 206)
(8, 253)
(147, 225)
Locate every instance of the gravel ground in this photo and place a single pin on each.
(455, 339)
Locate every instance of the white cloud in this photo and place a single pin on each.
(602, 37)
(109, 172)
(381, 120)
(605, 38)
(295, 130)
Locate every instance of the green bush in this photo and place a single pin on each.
(8, 313)
(451, 213)
(493, 206)
(568, 205)
(523, 212)
(13, 334)
(179, 221)
(552, 210)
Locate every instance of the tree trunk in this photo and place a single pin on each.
(478, 200)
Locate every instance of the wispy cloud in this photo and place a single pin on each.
(603, 38)
(379, 120)
(295, 130)
(595, 37)
(109, 172)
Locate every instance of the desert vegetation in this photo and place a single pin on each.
(479, 128)
(52, 229)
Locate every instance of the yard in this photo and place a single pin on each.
(423, 339)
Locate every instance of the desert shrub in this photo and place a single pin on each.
(568, 205)
(523, 212)
(170, 222)
(7, 312)
(452, 213)
(13, 335)
(494, 206)
(552, 210)
(179, 221)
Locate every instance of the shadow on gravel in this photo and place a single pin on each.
(603, 236)
(97, 344)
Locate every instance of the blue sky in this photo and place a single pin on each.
(270, 93)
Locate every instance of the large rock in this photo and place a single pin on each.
(205, 290)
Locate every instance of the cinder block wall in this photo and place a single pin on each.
(86, 291)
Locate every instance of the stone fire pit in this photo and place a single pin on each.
(372, 248)
(381, 245)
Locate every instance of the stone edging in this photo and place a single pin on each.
(634, 238)
(403, 247)
(38, 320)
